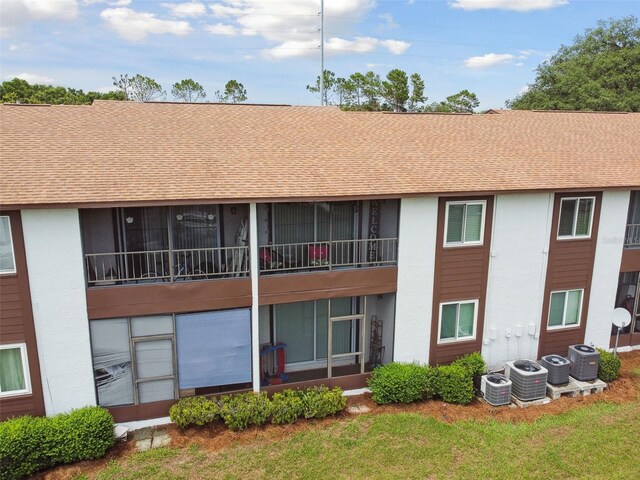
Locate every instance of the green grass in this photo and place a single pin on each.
(583, 443)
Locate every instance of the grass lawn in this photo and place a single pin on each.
(600, 441)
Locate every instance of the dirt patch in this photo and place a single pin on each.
(217, 437)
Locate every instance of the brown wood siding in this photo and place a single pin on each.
(16, 325)
(302, 287)
(177, 297)
(569, 266)
(630, 260)
(461, 273)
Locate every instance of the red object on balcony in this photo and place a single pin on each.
(318, 252)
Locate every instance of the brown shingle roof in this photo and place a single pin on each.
(132, 152)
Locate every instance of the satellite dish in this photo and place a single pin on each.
(621, 317)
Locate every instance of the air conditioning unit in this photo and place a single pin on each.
(496, 389)
(558, 368)
(529, 379)
(584, 362)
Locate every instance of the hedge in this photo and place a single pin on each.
(609, 366)
(29, 444)
(454, 384)
(401, 383)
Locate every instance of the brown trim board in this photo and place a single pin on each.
(166, 297)
(16, 325)
(461, 273)
(630, 260)
(569, 266)
(300, 287)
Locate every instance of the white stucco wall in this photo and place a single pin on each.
(517, 271)
(606, 267)
(56, 280)
(416, 262)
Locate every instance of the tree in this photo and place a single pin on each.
(600, 71)
(188, 91)
(21, 91)
(145, 89)
(329, 79)
(395, 89)
(417, 92)
(462, 102)
(234, 92)
(122, 84)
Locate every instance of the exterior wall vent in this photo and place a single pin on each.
(529, 379)
(584, 362)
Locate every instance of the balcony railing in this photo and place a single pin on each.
(328, 255)
(166, 265)
(632, 236)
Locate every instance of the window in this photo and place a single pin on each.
(464, 223)
(7, 258)
(457, 321)
(576, 217)
(14, 370)
(565, 308)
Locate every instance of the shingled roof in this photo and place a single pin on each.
(139, 153)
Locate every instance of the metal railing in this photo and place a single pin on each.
(308, 256)
(166, 265)
(632, 235)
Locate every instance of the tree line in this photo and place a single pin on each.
(397, 92)
(137, 88)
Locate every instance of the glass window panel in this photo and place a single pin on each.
(342, 337)
(147, 230)
(323, 222)
(567, 212)
(574, 300)
(583, 224)
(322, 328)
(7, 261)
(343, 220)
(195, 227)
(112, 361)
(454, 223)
(448, 321)
(557, 309)
(293, 222)
(154, 358)
(473, 225)
(11, 370)
(465, 320)
(156, 391)
(151, 325)
(341, 307)
(295, 327)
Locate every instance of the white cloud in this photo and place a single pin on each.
(222, 29)
(32, 78)
(291, 26)
(516, 5)
(489, 60)
(113, 3)
(388, 23)
(15, 13)
(186, 9)
(136, 26)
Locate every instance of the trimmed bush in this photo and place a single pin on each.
(454, 384)
(609, 366)
(286, 407)
(240, 411)
(29, 444)
(320, 402)
(401, 383)
(473, 363)
(197, 411)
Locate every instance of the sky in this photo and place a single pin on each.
(490, 47)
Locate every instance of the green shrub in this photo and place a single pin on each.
(194, 411)
(320, 402)
(286, 407)
(454, 384)
(609, 366)
(473, 363)
(29, 444)
(240, 411)
(401, 383)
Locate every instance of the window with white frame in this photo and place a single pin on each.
(7, 257)
(576, 217)
(464, 223)
(564, 308)
(457, 321)
(14, 370)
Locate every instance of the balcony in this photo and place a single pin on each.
(632, 236)
(329, 255)
(166, 265)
